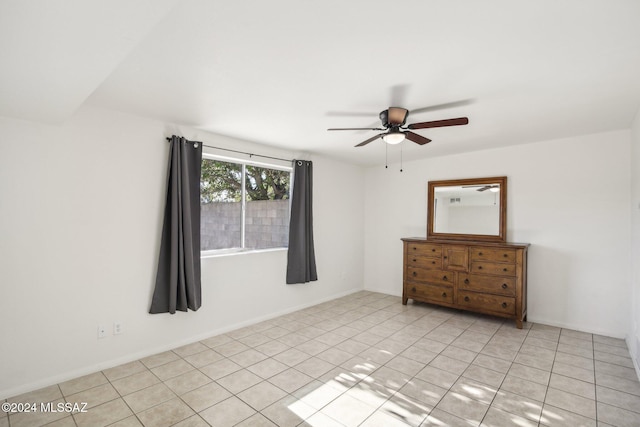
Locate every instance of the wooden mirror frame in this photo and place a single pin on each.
(501, 237)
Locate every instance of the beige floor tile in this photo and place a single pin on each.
(317, 394)
(288, 412)
(190, 349)
(45, 394)
(613, 358)
(518, 405)
(290, 380)
(571, 402)
(314, 367)
(450, 365)
(131, 421)
(498, 418)
(291, 357)
(615, 370)
(220, 369)
(587, 375)
(227, 413)
(159, 359)
(192, 421)
(83, 383)
(272, 348)
(314, 347)
(230, 348)
(438, 377)
(94, 396)
(463, 407)
(172, 369)
(572, 385)
(617, 417)
(166, 414)
(239, 381)
(268, 368)
(557, 417)
(261, 395)
(423, 392)
(440, 418)
(348, 410)
(484, 375)
(146, 398)
(474, 390)
(405, 365)
(530, 374)
(216, 340)
(135, 382)
(406, 409)
(103, 415)
(206, 396)
(125, 370)
(618, 399)
(187, 382)
(203, 358)
(631, 385)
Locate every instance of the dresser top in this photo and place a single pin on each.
(464, 242)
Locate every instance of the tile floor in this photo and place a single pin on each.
(363, 360)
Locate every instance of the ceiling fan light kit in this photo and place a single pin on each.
(393, 122)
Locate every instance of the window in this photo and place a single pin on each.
(243, 205)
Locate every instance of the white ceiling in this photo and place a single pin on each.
(281, 72)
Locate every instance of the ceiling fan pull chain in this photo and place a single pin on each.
(401, 157)
(386, 156)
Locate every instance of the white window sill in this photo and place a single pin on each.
(236, 251)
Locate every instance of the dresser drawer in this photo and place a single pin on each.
(429, 292)
(424, 249)
(486, 302)
(438, 277)
(424, 262)
(493, 254)
(490, 284)
(495, 268)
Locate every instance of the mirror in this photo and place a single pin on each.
(468, 209)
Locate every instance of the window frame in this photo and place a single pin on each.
(243, 205)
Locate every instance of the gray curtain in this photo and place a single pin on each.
(301, 259)
(178, 275)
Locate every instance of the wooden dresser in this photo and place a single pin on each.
(483, 277)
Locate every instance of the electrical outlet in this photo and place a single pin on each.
(102, 331)
(117, 328)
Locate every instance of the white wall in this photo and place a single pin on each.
(81, 209)
(568, 198)
(633, 339)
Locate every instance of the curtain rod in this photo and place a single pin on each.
(240, 152)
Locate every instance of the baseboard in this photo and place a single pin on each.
(66, 376)
(575, 327)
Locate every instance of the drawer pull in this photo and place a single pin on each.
(445, 257)
(415, 274)
(466, 298)
(480, 253)
(504, 305)
(444, 294)
(444, 278)
(433, 262)
(414, 260)
(415, 249)
(466, 281)
(433, 250)
(413, 289)
(504, 286)
(479, 267)
(504, 269)
(506, 255)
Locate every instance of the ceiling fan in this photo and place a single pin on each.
(493, 188)
(393, 124)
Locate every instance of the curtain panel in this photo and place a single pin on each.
(177, 284)
(301, 259)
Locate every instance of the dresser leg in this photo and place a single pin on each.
(518, 323)
(404, 300)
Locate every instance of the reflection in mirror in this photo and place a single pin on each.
(467, 209)
(473, 209)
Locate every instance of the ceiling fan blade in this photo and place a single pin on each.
(397, 115)
(418, 139)
(370, 140)
(442, 106)
(439, 123)
(355, 129)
